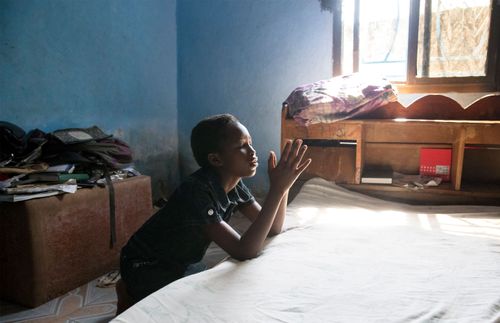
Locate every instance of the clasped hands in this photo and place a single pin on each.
(284, 173)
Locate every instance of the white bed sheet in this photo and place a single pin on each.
(346, 257)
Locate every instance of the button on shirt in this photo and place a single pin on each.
(174, 236)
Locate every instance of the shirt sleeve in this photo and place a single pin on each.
(200, 206)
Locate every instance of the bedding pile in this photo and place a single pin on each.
(339, 98)
(347, 257)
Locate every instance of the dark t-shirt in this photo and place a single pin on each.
(174, 235)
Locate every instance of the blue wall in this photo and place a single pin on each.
(110, 63)
(244, 58)
(148, 71)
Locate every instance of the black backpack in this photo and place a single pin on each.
(18, 148)
(89, 147)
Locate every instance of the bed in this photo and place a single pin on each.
(348, 257)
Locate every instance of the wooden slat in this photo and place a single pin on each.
(483, 134)
(457, 160)
(410, 132)
(334, 131)
(360, 153)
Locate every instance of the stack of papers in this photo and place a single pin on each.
(52, 181)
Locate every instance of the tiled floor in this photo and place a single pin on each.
(86, 304)
(89, 303)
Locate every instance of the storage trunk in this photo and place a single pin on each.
(52, 245)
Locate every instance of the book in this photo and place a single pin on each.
(377, 175)
(25, 197)
(63, 168)
(58, 177)
(69, 187)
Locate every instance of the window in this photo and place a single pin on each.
(420, 45)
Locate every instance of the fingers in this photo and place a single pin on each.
(271, 161)
(292, 156)
(291, 150)
(299, 156)
(304, 165)
(296, 146)
(286, 151)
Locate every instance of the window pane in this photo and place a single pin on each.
(347, 36)
(453, 40)
(383, 36)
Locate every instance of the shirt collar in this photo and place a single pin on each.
(214, 180)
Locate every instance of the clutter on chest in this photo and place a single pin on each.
(36, 164)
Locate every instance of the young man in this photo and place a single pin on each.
(175, 239)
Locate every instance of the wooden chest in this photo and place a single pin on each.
(50, 246)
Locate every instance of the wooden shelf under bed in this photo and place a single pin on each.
(385, 138)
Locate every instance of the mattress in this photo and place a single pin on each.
(346, 257)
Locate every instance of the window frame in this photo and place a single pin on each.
(488, 83)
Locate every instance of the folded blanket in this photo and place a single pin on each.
(339, 98)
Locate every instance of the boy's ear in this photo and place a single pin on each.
(214, 159)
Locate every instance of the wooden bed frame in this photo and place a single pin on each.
(394, 134)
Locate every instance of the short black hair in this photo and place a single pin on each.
(208, 136)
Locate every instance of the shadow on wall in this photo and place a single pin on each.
(187, 164)
(162, 169)
(155, 154)
(326, 5)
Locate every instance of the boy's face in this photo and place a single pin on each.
(238, 158)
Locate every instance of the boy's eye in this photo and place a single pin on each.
(245, 144)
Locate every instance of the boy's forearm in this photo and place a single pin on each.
(280, 216)
(253, 239)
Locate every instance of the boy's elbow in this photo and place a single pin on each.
(246, 256)
(273, 232)
(243, 255)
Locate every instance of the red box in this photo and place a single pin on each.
(436, 162)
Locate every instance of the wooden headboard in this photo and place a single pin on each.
(378, 138)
